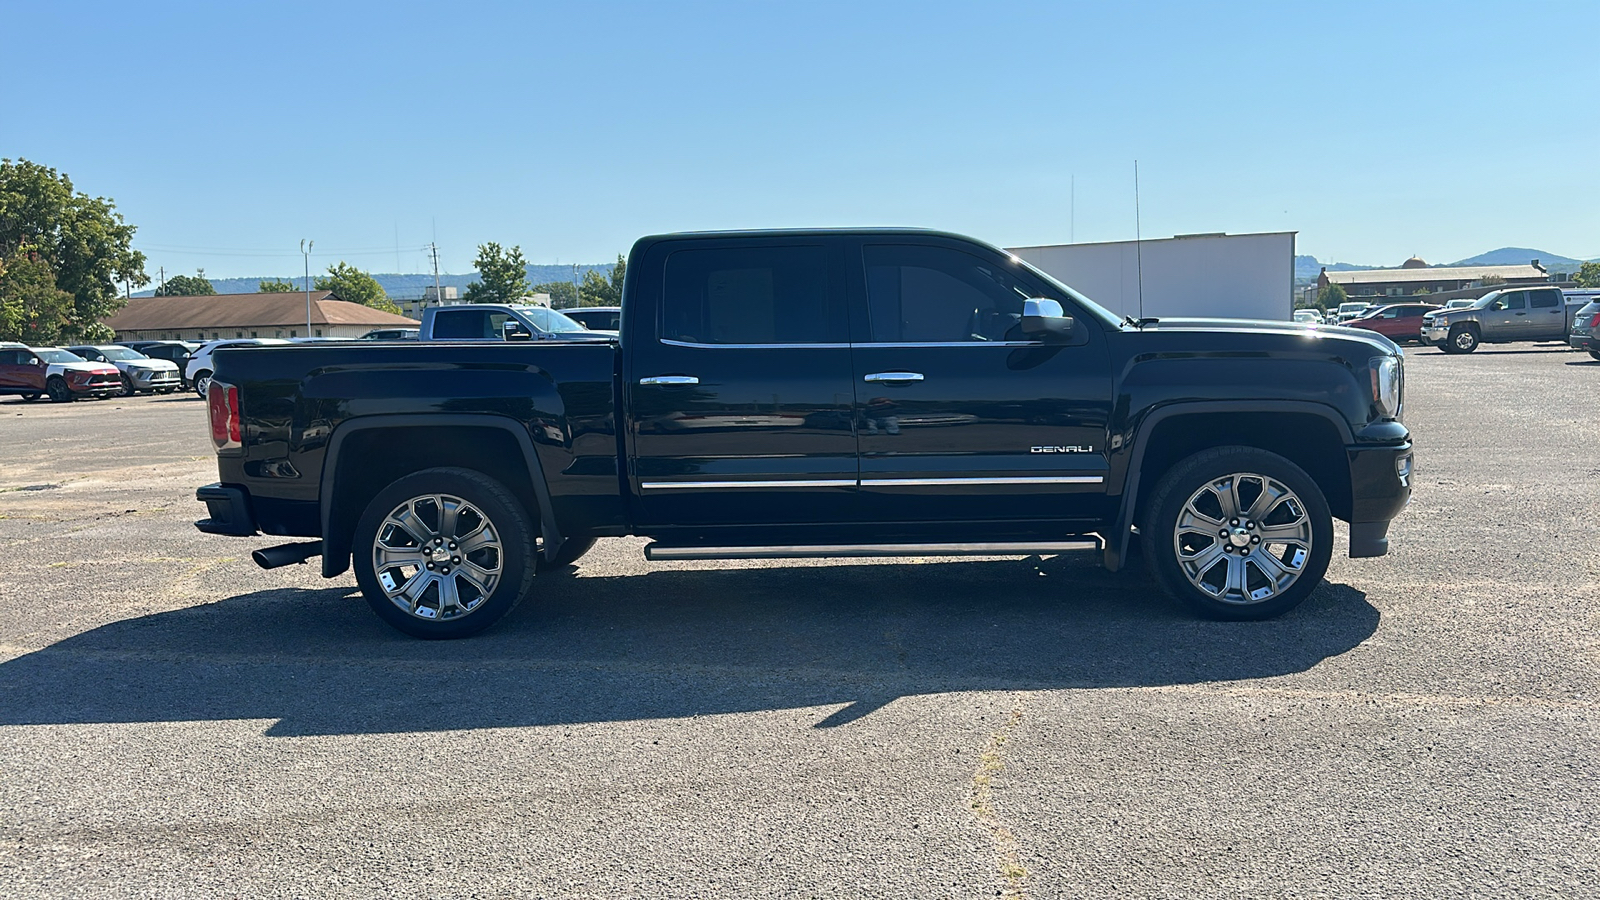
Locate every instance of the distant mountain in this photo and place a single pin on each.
(1517, 256)
(403, 287)
(1306, 268)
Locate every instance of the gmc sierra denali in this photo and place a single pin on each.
(819, 393)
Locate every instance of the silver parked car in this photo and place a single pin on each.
(140, 373)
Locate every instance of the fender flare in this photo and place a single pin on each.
(337, 560)
(1116, 549)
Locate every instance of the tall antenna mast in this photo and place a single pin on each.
(1073, 232)
(438, 295)
(305, 251)
(1138, 238)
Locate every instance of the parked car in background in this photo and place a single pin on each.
(1460, 303)
(497, 322)
(596, 318)
(1585, 333)
(198, 370)
(68, 376)
(391, 334)
(175, 352)
(1501, 317)
(1351, 309)
(140, 373)
(1309, 316)
(1399, 322)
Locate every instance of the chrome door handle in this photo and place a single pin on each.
(894, 377)
(669, 379)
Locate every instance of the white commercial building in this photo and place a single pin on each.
(1237, 276)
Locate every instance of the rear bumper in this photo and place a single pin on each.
(227, 511)
(1380, 488)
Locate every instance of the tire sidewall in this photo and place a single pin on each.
(1187, 477)
(57, 390)
(496, 502)
(1456, 334)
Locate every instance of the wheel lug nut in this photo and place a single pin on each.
(1256, 539)
(1234, 522)
(430, 565)
(445, 570)
(455, 560)
(1223, 533)
(452, 545)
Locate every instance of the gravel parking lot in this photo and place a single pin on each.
(176, 722)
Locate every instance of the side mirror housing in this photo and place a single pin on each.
(518, 335)
(1042, 316)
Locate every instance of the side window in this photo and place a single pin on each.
(10, 357)
(939, 295)
(1544, 299)
(469, 324)
(755, 295)
(1394, 313)
(1515, 300)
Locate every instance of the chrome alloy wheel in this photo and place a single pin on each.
(437, 557)
(1243, 538)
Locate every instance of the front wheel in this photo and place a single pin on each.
(128, 389)
(1462, 339)
(444, 553)
(1238, 533)
(58, 390)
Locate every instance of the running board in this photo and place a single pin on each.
(824, 551)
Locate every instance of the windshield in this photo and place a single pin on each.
(1352, 307)
(52, 355)
(121, 354)
(549, 321)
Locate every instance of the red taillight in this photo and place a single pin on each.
(222, 400)
(1595, 322)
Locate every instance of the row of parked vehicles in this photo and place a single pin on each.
(1508, 315)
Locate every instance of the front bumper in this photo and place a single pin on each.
(228, 511)
(1435, 334)
(147, 380)
(1380, 488)
(95, 389)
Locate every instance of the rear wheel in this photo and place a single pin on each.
(202, 383)
(1593, 353)
(444, 553)
(1238, 533)
(58, 390)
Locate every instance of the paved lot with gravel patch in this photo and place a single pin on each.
(175, 722)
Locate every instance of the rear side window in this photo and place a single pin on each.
(755, 295)
(470, 324)
(1544, 299)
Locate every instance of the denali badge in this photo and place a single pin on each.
(1070, 449)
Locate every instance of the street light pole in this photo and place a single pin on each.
(305, 251)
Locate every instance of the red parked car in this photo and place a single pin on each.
(63, 376)
(1399, 322)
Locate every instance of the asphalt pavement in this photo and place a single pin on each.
(175, 722)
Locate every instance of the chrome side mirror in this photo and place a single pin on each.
(1043, 316)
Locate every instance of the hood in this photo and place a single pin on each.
(155, 364)
(93, 368)
(1309, 330)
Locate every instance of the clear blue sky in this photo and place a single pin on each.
(1376, 130)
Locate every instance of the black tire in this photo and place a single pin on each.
(1161, 534)
(571, 550)
(1593, 353)
(29, 398)
(1462, 339)
(508, 522)
(57, 390)
(127, 387)
(202, 381)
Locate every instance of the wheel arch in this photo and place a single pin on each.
(1310, 435)
(361, 462)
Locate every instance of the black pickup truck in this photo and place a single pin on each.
(820, 393)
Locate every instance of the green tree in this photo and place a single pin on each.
(603, 290)
(1492, 280)
(356, 286)
(1331, 296)
(274, 286)
(1588, 275)
(563, 294)
(502, 275)
(32, 309)
(196, 285)
(83, 240)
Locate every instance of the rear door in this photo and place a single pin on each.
(1547, 313)
(16, 374)
(739, 392)
(961, 418)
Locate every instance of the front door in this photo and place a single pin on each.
(21, 372)
(739, 389)
(960, 417)
(1506, 317)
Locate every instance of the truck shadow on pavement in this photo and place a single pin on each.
(668, 643)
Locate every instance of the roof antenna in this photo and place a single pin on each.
(1138, 239)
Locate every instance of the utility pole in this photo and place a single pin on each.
(575, 301)
(438, 293)
(305, 251)
(163, 279)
